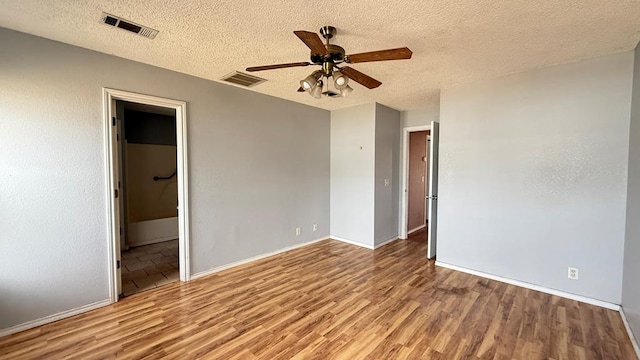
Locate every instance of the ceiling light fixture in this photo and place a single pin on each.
(346, 91)
(340, 81)
(308, 83)
(316, 90)
(332, 58)
(313, 83)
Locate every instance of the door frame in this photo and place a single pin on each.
(404, 178)
(111, 163)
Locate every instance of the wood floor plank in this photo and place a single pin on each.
(332, 300)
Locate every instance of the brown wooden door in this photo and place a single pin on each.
(417, 171)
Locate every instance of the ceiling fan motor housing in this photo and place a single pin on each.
(328, 32)
(336, 55)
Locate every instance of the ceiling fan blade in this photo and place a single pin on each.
(312, 40)
(277, 66)
(364, 80)
(381, 55)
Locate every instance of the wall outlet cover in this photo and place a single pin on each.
(573, 273)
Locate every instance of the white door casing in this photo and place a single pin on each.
(111, 176)
(404, 177)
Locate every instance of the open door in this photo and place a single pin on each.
(122, 157)
(115, 153)
(427, 151)
(432, 224)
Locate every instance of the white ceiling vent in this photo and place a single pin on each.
(129, 26)
(243, 79)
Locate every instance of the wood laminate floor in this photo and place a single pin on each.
(332, 300)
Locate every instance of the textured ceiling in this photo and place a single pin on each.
(452, 41)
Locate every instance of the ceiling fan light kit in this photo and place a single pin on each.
(329, 56)
(316, 91)
(346, 91)
(310, 81)
(340, 81)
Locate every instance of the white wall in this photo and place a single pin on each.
(352, 173)
(631, 284)
(258, 168)
(533, 173)
(387, 166)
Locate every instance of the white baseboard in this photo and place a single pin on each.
(634, 341)
(153, 231)
(259, 257)
(386, 242)
(580, 298)
(416, 229)
(352, 242)
(51, 318)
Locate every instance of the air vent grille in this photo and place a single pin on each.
(129, 26)
(110, 20)
(243, 79)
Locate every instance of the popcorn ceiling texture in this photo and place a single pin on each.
(453, 41)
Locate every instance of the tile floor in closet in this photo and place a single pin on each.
(149, 266)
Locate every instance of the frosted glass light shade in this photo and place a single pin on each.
(346, 91)
(340, 81)
(316, 91)
(310, 81)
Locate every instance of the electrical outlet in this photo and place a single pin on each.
(315, 227)
(573, 273)
(386, 182)
(297, 231)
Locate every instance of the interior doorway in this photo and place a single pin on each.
(147, 158)
(420, 183)
(417, 214)
(147, 191)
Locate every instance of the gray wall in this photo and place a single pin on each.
(533, 174)
(420, 117)
(631, 285)
(387, 166)
(352, 173)
(258, 168)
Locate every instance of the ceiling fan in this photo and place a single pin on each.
(330, 56)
